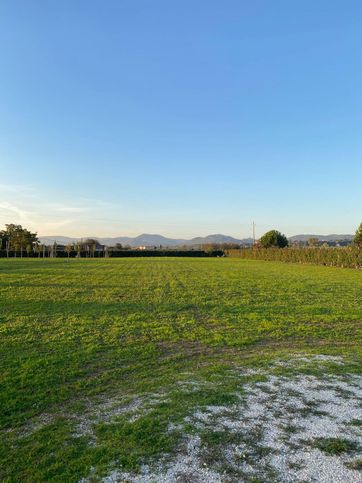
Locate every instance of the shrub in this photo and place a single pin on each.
(273, 238)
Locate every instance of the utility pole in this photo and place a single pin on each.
(253, 233)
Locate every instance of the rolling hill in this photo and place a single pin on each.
(149, 240)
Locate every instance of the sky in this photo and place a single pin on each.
(183, 118)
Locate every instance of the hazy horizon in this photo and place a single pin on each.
(201, 235)
(181, 118)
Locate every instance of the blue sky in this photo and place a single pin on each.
(183, 118)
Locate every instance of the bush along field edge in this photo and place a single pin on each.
(346, 257)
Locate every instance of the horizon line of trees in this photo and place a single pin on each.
(18, 240)
(275, 239)
(272, 247)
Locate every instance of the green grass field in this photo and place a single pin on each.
(85, 333)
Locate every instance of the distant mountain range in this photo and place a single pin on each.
(326, 238)
(156, 240)
(149, 240)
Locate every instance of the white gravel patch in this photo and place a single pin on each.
(108, 410)
(296, 412)
(104, 412)
(186, 467)
(296, 361)
(271, 434)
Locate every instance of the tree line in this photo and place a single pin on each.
(16, 240)
(275, 239)
(344, 257)
(273, 246)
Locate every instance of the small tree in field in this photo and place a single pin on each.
(358, 237)
(274, 238)
(313, 242)
(68, 248)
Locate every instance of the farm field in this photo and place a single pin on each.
(167, 369)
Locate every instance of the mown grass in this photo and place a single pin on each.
(72, 332)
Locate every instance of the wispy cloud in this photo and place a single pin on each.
(16, 188)
(34, 209)
(53, 225)
(62, 208)
(7, 208)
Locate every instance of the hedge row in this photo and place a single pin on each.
(165, 253)
(349, 257)
(60, 254)
(120, 253)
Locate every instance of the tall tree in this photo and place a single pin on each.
(15, 237)
(358, 237)
(90, 245)
(273, 238)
